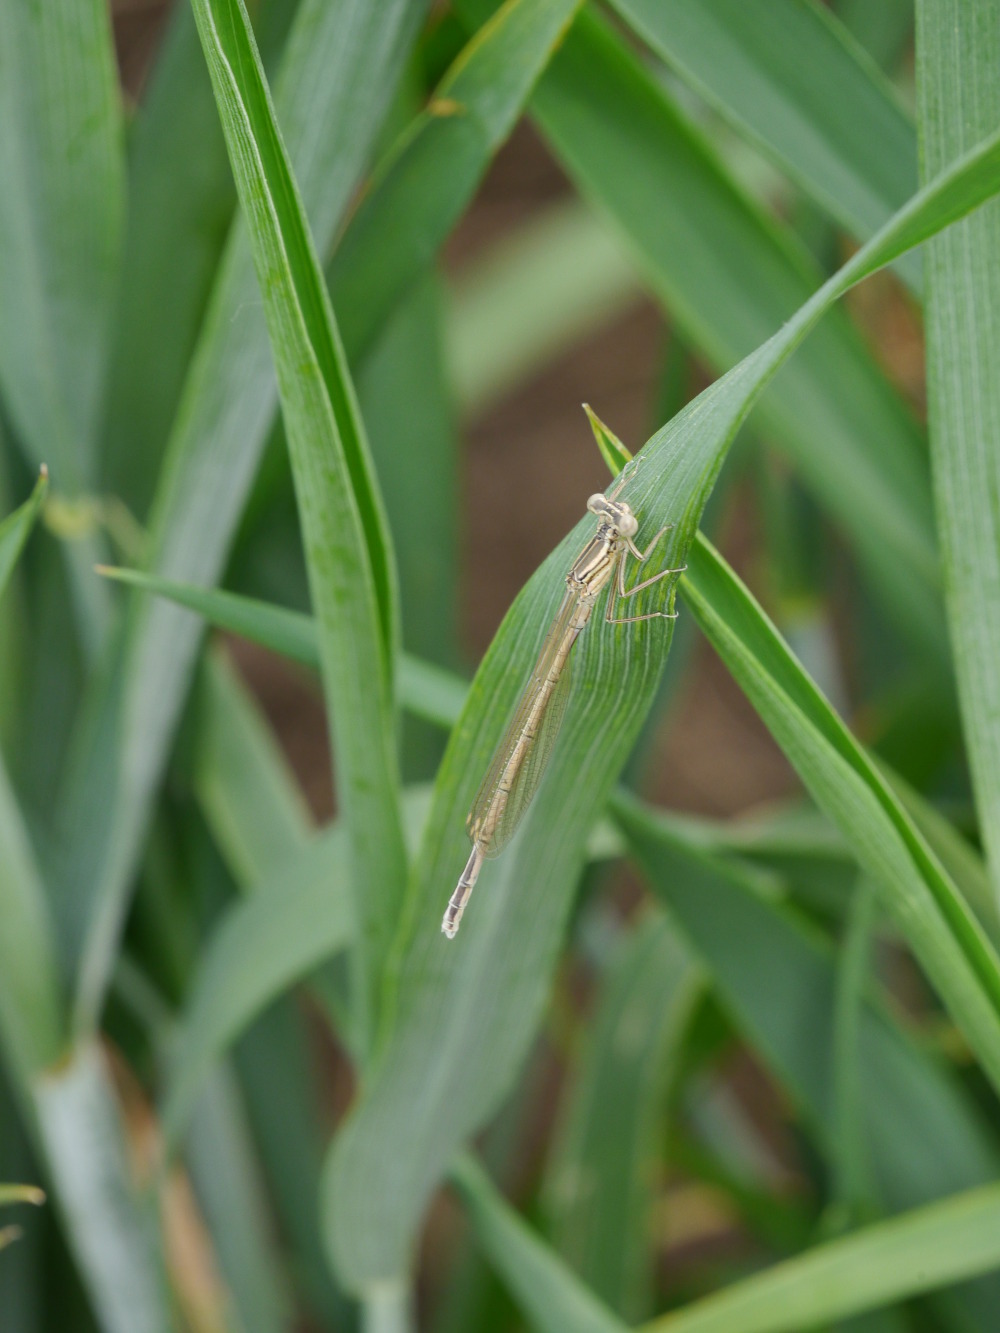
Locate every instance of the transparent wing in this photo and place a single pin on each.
(522, 755)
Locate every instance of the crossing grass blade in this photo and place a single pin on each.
(790, 77)
(340, 66)
(422, 188)
(426, 690)
(960, 102)
(728, 275)
(923, 1250)
(458, 1020)
(915, 890)
(928, 1248)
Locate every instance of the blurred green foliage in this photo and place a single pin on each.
(248, 328)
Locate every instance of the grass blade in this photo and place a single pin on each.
(789, 76)
(61, 221)
(226, 1176)
(346, 542)
(340, 66)
(111, 1238)
(959, 103)
(16, 528)
(31, 1010)
(604, 1173)
(261, 947)
(256, 811)
(426, 690)
(553, 1297)
(181, 202)
(462, 1019)
(923, 902)
(421, 190)
(927, 1137)
(879, 1265)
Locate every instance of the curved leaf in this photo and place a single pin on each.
(459, 1018)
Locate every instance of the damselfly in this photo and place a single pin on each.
(522, 755)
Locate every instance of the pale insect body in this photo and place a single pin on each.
(522, 755)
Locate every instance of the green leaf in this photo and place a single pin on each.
(287, 928)
(959, 103)
(426, 690)
(406, 405)
(924, 1249)
(612, 450)
(255, 808)
(927, 1139)
(729, 276)
(32, 1021)
(340, 66)
(16, 528)
(61, 222)
(915, 889)
(112, 1238)
(928, 1248)
(789, 77)
(422, 188)
(346, 544)
(552, 1296)
(603, 1176)
(225, 1172)
(459, 1018)
(181, 202)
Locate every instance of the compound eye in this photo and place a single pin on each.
(597, 504)
(628, 525)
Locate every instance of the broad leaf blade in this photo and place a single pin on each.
(959, 104)
(463, 1018)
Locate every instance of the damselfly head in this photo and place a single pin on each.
(615, 513)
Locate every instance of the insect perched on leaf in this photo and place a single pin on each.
(522, 755)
